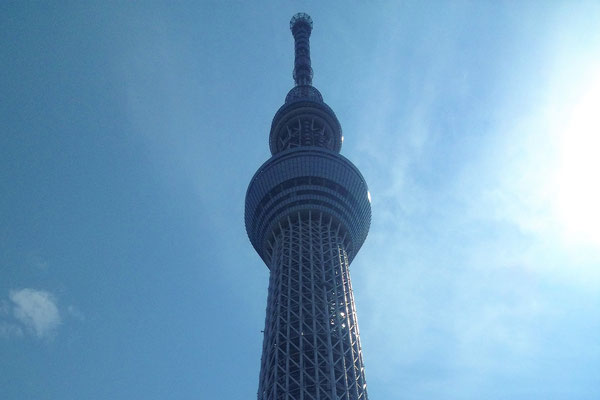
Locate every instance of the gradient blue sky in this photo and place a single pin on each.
(129, 133)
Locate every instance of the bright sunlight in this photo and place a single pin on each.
(578, 179)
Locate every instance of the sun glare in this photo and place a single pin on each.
(578, 178)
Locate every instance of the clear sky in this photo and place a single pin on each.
(129, 134)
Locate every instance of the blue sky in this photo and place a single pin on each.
(130, 133)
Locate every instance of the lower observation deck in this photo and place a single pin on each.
(307, 179)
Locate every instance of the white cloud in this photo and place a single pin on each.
(36, 310)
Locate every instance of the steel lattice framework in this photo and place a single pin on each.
(307, 214)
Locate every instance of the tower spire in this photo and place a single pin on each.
(301, 27)
(304, 120)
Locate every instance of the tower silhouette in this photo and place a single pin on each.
(307, 214)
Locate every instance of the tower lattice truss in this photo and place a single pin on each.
(308, 212)
(312, 347)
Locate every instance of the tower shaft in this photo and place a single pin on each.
(311, 348)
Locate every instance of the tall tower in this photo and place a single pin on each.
(307, 214)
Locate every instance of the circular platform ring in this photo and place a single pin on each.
(303, 179)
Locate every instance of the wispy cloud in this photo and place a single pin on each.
(466, 277)
(76, 313)
(29, 310)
